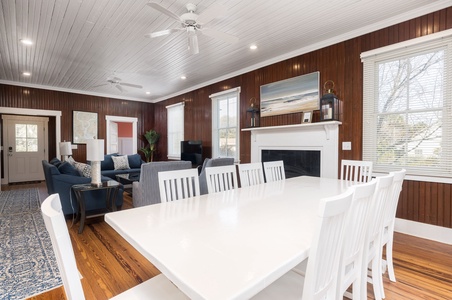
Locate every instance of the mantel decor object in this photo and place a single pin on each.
(253, 110)
(329, 103)
(95, 154)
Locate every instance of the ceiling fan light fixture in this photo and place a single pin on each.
(193, 43)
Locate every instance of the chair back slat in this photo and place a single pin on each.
(251, 174)
(55, 223)
(221, 178)
(175, 185)
(356, 170)
(324, 255)
(274, 171)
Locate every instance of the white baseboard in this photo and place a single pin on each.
(425, 231)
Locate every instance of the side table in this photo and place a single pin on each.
(111, 187)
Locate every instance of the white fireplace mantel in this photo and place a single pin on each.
(322, 136)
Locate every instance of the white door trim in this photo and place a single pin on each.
(34, 112)
(122, 120)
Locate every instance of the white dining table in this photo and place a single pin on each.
(229, 245)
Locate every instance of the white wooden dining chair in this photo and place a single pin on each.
(350, 266)
(320, 281)
(221, 178)
(180, 184)
(158, 287)
(251, 174)
(387, 234)
(356, 171)
(372, 246)
(274, 171)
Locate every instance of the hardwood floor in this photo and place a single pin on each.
(109, 265)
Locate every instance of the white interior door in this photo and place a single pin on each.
(25, 147)
(114, 142)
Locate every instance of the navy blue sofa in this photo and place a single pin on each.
(60, 177)
(107, 167)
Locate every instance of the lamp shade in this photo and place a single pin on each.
(65, 148)
(95, 150)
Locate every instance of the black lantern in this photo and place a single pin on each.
(253, 110)
(329, 103)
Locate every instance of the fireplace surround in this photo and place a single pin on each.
(322, 137)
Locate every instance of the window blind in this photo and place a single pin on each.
(175, 125)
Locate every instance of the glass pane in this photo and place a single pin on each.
(231, 142)
(32, 131)
(223, 113)
(32, 145)
(410, 140)
(223, 142)
(21, 145)
(411, 83)
(21, 130)
(232, 111)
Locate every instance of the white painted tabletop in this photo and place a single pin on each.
(228, 245)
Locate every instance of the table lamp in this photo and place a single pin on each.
(65, 149)
(95, 154)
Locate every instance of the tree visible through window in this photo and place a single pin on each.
(407, 111)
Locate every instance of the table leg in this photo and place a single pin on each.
(82, 212)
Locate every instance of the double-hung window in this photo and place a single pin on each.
(175, 125)
(225, 123)
(407, 116)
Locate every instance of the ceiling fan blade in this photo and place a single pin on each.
(214, 11)
(131, 85)
(193, 43)
(99, 85)
(161, 9)
(226, 37)
(162, 33)
(119, 87)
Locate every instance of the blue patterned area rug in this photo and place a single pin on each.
(27, 262)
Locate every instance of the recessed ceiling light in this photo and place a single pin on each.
(26, 73)
(253, 47)
(183, 77)
(26, 42)
(148, 93)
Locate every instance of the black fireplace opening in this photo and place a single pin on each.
(296, 162)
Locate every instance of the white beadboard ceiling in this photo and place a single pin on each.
(78, 44)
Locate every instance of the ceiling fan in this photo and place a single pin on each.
(117, 83)
(193, 23)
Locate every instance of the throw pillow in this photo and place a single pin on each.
(56, 162)
(71, 160)
(67, 168)
(134, 161)
(84, 169)
(121, 162)
(107, 163)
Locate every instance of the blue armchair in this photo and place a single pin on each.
(60, 178)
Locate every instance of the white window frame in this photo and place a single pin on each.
(175, 127)
(234, 92)
(371, 59)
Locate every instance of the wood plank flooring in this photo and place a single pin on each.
(109, 265)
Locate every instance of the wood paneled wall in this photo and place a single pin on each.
(420, 201)
(24, 97)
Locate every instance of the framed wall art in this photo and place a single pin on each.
(307, 117)
(292, 95)
(84, 126)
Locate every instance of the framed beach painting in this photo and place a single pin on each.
(291, 95)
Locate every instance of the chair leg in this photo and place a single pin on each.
(377, 278)
(389, 260)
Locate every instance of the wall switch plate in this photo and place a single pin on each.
(346, 145)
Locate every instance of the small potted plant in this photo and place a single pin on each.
(152, 137)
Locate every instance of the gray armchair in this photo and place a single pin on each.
(212, 162)
(146, 191)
